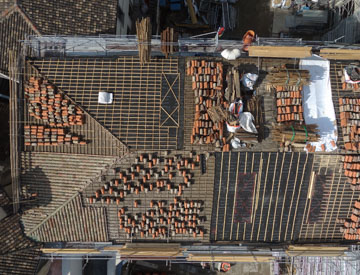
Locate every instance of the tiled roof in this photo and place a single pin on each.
(74, 223)
(18, 254)
(24, 262)
(5, 4)
(11, 236)
(13, 28)
(72, 16)
(56, 178)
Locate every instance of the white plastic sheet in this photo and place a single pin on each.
(105, 98)
(317, 101)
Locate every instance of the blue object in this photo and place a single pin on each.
(175, 6)
(162, 3)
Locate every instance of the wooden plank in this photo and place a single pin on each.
(281, 52)
(192, 12)
(230, 258)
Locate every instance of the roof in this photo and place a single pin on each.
(56, 179)
(148, 98)
(14, 27)
(256, 194)
(18, 19)
(18, 254)
(72, 16)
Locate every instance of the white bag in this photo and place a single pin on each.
(246, 122)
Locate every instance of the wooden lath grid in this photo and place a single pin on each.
(134, 116)
(337, 202)
(278, 203)
(100, 142)
(338, 92)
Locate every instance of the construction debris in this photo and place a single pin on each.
(352, 170)
(350, 122)
(48, 104)
(351, 227)
(143, 33)
(168, 38)
(207, 84)
(350, 78)
(39, 135)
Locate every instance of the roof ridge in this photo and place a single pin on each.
(27, 18)
(86, 112)
(16, 8)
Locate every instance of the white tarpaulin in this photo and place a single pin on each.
(317, 101)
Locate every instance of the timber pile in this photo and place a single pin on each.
(143, 33)
(351, 227)
(150, 173)
(352, 170)
(168, 39)
(207, 84)
(233, 89)
(289, 105)
(46, 103)
(350, 122)
(288, 79)
(39, 135)
(347, 86)
(296, 135)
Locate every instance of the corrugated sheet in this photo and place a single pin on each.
(72, 16)
(55, 178)
(74, 223)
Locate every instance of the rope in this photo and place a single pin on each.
(293, 130)
(306, 132)
(299, 79)
(288, 77)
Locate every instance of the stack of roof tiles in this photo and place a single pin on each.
(48, 104)
(151, 173)
(289, 105)
(207, 84)
(351, 227)
(161, 221)
(352, 170)
(39, 135)
(350, 122)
